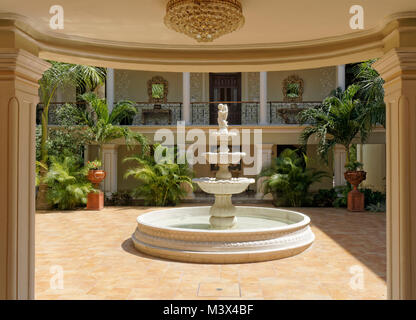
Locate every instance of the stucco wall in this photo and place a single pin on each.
(132, 85)
(318, 83)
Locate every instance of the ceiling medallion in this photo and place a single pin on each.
(204, 20)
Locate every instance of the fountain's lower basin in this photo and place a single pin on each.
(185, 234)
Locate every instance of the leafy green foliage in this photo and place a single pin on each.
(68, 186)
(59, 75)
(290, 179)
(102, 126)
(39, 167)
(372, 198)
(379, 207)
(371, 91)
(324, 198)
(160, 184)
(353, 166)
(339, 119)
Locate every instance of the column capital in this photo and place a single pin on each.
(397, 63)
(110, 146)
(20, 63)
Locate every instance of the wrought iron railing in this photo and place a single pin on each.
(278, 112)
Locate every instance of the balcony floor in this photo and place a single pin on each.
(108, 267)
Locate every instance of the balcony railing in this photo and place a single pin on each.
(278, 112)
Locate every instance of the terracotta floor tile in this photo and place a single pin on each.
(219, 289)
(99, 261)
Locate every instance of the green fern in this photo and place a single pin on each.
(68, 186)
(159, 184)
(290, 179)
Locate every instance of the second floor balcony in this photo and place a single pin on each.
(278, 113)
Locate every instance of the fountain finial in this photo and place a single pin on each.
(222, 117)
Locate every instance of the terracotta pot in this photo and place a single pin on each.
(96, 176)
(355, 177)
(355, 197)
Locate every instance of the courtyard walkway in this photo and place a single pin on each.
(98, 260)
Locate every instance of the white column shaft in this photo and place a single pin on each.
(186, 96)
(263, 98)
(110, 159)
(110, 88)
(341, 76)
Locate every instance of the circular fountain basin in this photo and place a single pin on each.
(185, 234)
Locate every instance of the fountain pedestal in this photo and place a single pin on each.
(223, 212)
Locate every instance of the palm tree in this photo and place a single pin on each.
(103, 126)
(58, 75)
(371, 90)
(289, 179)
(160, 184)
(339, 119)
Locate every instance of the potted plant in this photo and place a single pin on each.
(95, 175)
(355, 176)
(340, 119)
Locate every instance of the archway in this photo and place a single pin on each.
(20, 69)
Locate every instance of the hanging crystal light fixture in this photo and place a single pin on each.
(204, 20)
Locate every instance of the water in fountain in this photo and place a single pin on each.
(213, 234)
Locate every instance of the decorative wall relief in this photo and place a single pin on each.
(157, 90)
(292, 88)
(327, 79)
(253, 79)
(196, 87)
(121, 84)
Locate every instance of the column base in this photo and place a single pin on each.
(95, 201)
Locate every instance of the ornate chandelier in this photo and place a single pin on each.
(204, 20)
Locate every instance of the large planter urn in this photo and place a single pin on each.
(96, 177)
(95, 200)
(355, 197)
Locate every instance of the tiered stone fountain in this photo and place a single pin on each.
(223, 233)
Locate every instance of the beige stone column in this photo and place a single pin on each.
(19, 75)
(110, 162)
(398, 69)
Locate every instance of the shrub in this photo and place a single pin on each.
(290, 179)
(67, 182)
(160, 184)
(324, 198)
(372, 198)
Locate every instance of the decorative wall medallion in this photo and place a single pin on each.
(253, 79)
(196, 87)
(327, 80)
(122, 84)
(292, 89)
(157, 89)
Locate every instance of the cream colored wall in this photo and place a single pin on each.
(132, 85)
(318, 83)
(373, 156)
(318, 164)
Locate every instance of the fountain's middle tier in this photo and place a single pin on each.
(228, 186)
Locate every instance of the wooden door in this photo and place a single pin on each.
(225, 87)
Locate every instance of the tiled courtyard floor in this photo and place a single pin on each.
(94, 250)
